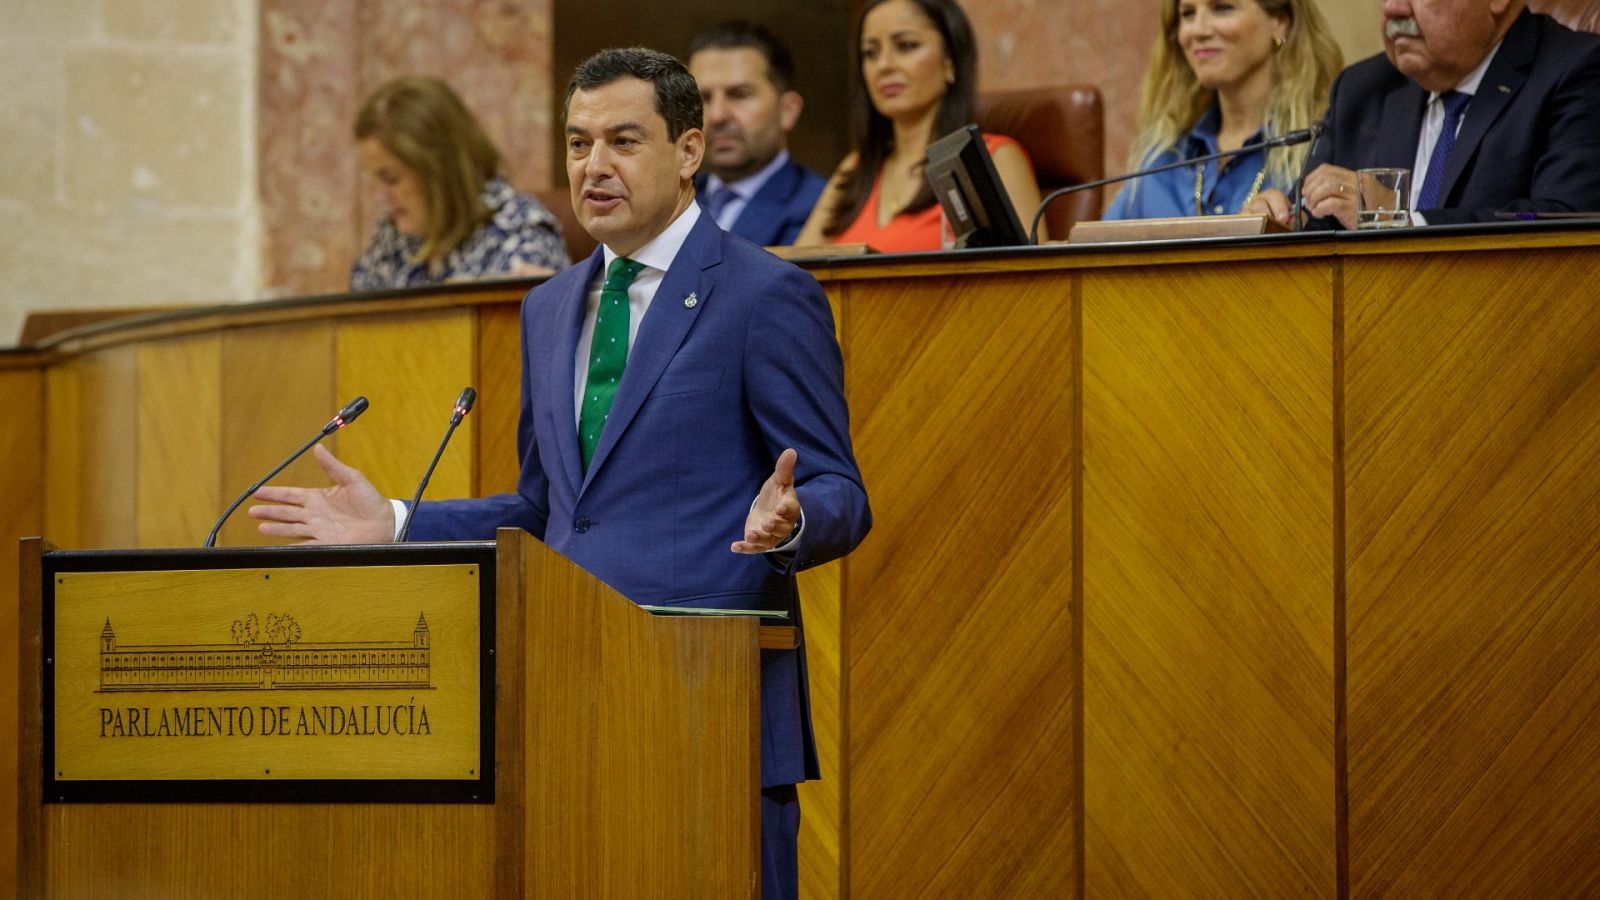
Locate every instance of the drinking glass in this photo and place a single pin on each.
(1383, 198)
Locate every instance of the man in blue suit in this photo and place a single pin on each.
(1493, 108)
(751, 186)
(684, 434)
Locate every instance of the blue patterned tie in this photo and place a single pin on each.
(719, 200)
(608, 354)
(1455, 105)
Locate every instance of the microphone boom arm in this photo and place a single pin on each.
(1293, 137)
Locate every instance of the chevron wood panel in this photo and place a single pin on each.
(1208, 582)
(1473, 429)
(411, 366)
(107, 443)
(277, 390)
(178, 495)
(958, 643)
(821, 801)
(499, 384)
(21, 515)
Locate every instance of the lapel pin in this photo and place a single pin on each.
(1504, 89)
(690, 301)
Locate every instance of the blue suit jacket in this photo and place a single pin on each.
(775, 215)
(713, 391)
(1530, 140)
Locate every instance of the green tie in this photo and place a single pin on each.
(608, 353)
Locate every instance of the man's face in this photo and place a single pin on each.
(747, 122)
(1437, 43)
(629, 181)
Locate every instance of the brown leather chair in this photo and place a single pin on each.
(1063, 130)
(1579, 15)
(559, 202)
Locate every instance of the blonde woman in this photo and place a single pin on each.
(1227, 73)
(448, 213)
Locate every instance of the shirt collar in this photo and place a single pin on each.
(1202, 138)
(746, 187)
(663, 249)
(1469, 84)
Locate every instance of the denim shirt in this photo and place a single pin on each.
(1171, 194)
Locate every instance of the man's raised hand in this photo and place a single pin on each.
(350, 512)
(776, 511)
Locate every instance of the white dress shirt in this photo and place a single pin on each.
(743, 189)
(1433, 126)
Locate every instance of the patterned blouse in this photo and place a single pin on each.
(520, 231)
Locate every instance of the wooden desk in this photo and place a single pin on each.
(1249, 568)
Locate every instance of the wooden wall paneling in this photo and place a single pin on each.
(957, 621)
(277, 390)
(499, 384)
(641, 742)
(177, 490)
(270, 851)
(1208, 583)
(21, 515)
(411, 366)
(63, 454)
(821, 802)
(1473, 442)
(108, 391)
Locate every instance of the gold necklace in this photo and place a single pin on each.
(1200, 181)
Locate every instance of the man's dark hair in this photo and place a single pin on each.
(677, 96)
(739, 34)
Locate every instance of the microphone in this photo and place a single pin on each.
(1300, 183)
(340, 419)
(462, 407)
(1282, 140)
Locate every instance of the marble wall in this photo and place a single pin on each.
(319, 60)
(127, 165)
(182, 151)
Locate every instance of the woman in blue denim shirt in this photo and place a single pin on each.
(1226, 73)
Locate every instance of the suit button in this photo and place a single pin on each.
(581, 525)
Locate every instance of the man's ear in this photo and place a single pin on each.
(692, 149)
(790, 106)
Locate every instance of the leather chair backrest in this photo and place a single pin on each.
(1063, 130)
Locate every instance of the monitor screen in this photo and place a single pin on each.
(975, 202)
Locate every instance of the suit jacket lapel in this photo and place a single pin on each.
(764, 212)
(1397, 147)
(662, 332)
(562, 363)
(1500, 84)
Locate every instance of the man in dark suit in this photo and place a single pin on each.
(668, 380)
(1493, 109)
(751, 186)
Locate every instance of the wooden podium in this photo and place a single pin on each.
(625, 745)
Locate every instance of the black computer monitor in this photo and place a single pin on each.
(975, 202)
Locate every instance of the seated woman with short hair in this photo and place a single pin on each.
(448, 212)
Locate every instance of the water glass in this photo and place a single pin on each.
(1383, 198)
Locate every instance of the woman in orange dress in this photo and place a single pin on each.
(918, 83)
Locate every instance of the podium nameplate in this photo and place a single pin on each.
(273, 674)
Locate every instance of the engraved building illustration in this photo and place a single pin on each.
(254, 662)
